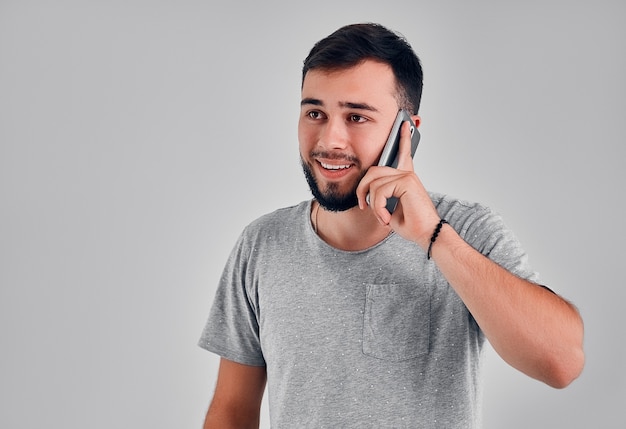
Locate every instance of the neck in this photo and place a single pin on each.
(351, 230)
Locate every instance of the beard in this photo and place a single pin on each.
(331, 199)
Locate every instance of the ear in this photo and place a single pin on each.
(417, 120)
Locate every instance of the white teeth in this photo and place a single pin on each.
(334, 167)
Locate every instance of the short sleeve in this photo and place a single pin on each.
(232, 329)
(485, 231)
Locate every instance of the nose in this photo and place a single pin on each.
(334, 135)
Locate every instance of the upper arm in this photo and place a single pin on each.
(238, 395)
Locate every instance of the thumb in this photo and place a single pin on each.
(405, 161)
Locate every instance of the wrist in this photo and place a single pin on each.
(434, 237)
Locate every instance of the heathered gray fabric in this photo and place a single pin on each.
(368, 339)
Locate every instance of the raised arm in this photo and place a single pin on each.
(531, 328)
(237, 399)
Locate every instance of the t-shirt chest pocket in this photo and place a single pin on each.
(396, 322)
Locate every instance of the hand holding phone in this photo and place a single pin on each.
(389, 156)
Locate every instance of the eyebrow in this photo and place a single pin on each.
(313, 101)
(348, 104)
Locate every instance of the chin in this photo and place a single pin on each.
(331, 198)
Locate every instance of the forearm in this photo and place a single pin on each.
(221, 417)
(531, 328)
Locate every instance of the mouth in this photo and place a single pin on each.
(334, 167)
(334, 170)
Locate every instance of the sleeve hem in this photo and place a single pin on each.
(232, 356)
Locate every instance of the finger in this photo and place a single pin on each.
(374, 173)
(380, 191)
(363, 189)
(405, 161)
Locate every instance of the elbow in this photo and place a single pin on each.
(563, 378)
(562, 372)
(567, 364)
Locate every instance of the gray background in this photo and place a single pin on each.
(137, 138)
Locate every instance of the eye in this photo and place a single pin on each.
(357, 118)
(315, 114)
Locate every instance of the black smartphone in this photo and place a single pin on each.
(389, 156)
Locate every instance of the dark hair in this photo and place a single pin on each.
(353, 44)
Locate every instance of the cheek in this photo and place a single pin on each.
(305, 138)
(371, 154)
(372, 159)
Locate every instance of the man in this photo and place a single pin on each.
(356, 317)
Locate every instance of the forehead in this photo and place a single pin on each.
(369, 81)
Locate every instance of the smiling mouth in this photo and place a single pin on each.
(334, 166)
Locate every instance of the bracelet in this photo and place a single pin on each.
(434, 237)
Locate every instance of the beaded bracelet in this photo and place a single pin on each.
(434, 237)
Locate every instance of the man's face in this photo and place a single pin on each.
(345, 119)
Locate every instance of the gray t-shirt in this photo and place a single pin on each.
(367, 339)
